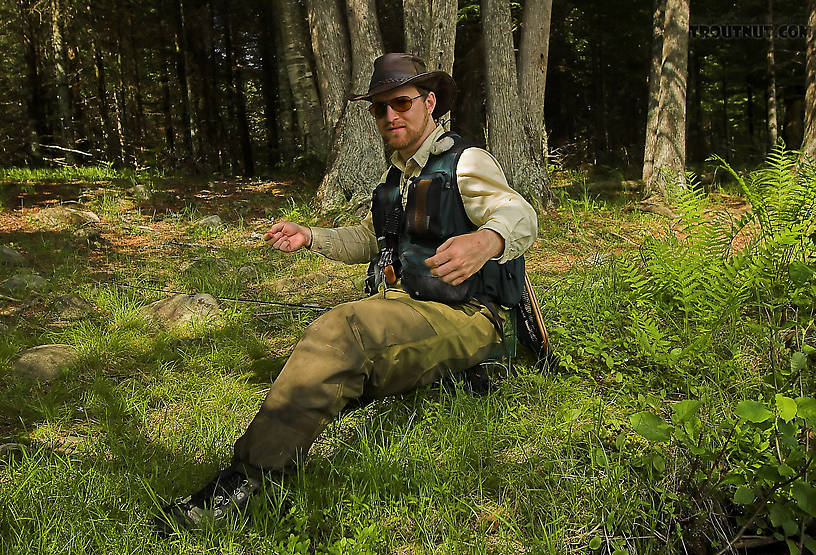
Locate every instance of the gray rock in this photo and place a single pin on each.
(210, 221)
(44, 363)
(248, 272)
(71, 307)
(63, 215)
(11, 257)
(181, 309)
(90, 234)
(19, 284)
(140, 192)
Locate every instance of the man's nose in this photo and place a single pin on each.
(390, 113)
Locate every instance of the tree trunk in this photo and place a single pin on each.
(180, 47)
(331, 53)
(35, 100)
(726, 118)
(670, 146)
(535, 45)
(287, 123)
(64, 115)
(773, 119)
(238, 97)
(658, 23)
(356, 159)
(269, 70)
(167, 111)
(809, 142)
(137, 82)
(506, 134)
(102, 99)
(296, 43)
(232, 97)
(417, 19)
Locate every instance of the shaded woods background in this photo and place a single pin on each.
(203, 86)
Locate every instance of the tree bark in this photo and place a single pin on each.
(417, 19)
(167, 111)
(237, 96)
(773, 118)
(658, 23)
(64, 114)
(331, 53)
(356, 160)
(506, 134)
(137, 81)
(534, 51)
(295, 35)
(670, 145)
(809, 142)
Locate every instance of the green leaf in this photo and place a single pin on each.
(659, 463)
(805, 496)
(786, 407)
(621, 552)
(650, 426)
(684, 410)
(810, 543)
(744, 496)
(798, 361)
(806, 408)
(799, 272)
(595, 543)
(753, 411)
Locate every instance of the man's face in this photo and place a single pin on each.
(405, 131)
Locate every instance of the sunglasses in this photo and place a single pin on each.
(399, 104)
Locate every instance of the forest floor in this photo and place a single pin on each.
(544, 463)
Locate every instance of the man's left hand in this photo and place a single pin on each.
(460, 257)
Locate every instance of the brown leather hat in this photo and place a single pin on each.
(396, 69)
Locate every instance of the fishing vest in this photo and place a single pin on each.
(433, 213)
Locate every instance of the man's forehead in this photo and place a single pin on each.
(405, 90)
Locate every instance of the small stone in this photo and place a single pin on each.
(44, 363)
(71, 307)
(210, 221)
(63, 215)
(248, 272)
(140, 192)
(89, 234)
(11, 257)
(24, 283)
(180, 309)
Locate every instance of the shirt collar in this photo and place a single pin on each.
(422, 154)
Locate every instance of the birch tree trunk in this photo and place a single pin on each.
(331, 53)
(809, 142)
(356, 161)
(658, 23)
(295, 35)
(773, 118)
(535, 46)
(670, 145)
(507, 137)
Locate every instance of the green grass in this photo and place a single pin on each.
(546, 463)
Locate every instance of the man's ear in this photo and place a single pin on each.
(430, 102)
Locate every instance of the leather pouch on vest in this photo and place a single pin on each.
(418, 281)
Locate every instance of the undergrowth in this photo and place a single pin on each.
(681, 418)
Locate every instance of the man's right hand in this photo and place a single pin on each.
(288, 237)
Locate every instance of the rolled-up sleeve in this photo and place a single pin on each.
(490, 203)
(355, 244)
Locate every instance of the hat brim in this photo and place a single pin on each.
(442, 84)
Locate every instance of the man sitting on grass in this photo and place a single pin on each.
(445, 234)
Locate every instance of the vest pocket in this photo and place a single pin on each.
(418, 281)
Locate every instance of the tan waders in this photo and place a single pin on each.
(373, 347)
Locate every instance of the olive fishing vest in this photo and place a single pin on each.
(433, 213)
